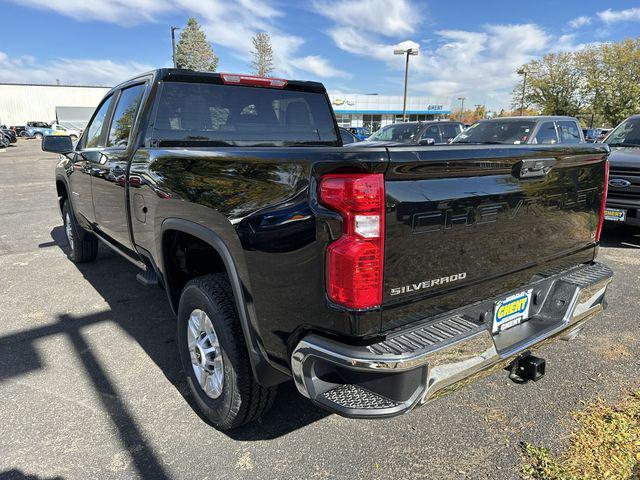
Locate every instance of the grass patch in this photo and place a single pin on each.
(605, 446)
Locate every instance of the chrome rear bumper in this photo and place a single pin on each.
(413, 365)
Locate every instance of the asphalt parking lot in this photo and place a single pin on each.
(90, 380)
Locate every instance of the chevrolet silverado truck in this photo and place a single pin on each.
(623, 200)
(375, 278)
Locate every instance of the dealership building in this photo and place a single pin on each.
(375, 111)
(22, 103)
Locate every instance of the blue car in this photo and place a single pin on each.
(360, 133)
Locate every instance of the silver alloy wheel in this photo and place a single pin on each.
(68, 229)
(205, 353)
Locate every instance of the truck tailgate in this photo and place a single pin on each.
(464, 223)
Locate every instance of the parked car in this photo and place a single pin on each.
(417, 133)
(623, 199)
(5, 140)
(360, 133)
(53, 129)
(347, 136)
(373, 277)
(13, 138)
(535, 130)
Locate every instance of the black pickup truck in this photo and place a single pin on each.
(374, 277)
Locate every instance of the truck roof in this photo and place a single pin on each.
(184, 75)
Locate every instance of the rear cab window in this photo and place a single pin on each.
(211, 114)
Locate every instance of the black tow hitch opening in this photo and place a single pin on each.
(527, 367)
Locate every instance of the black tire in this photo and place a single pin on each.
(38, 136)
(242, 399)
(73, 137)
(83, 245)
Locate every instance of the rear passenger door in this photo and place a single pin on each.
(110, 180)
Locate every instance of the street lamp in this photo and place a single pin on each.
(462, 99)
(407, 52)
(173, 45)
(523, 71)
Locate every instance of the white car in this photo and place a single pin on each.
(57, 129)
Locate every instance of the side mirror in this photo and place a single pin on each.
(57, 144)
(428, 141)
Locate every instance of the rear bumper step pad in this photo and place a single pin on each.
(410, 366)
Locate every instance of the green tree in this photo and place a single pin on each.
(262, 63)
(194, 51)
(616, 85)
(554, 85)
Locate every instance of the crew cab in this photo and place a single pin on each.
(375, 278)
(623, 200)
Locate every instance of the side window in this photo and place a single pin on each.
(124, 116)
(449, 131)
(432, 132)
(569, 132)
(346, 137)
(95, 128)
(546, 134)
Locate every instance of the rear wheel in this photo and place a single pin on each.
(83, 245)
(214, 355)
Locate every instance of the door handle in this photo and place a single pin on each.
(534, 167)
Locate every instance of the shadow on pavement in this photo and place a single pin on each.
(14, 474)
(145, 315)
(620, 236)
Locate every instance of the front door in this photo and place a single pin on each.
(109, 184)
(85, 155)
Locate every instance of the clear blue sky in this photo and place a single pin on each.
(467, 48)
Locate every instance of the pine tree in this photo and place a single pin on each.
(262, 63)
(194, 51)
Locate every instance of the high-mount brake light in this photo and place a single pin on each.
(604, 200)
(354, 262)
(232, 78)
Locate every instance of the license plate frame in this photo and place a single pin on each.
(615, 214)
(511, 311)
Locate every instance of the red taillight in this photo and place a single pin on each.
(236, 79)
(354, 262)
(604, 200)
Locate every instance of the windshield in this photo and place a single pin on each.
(400, 132)
(627, 134)
(497, 131)
(206, 114)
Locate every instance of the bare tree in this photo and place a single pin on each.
(194, 50)
(262, 63)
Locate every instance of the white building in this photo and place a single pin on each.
(375, 111)
(20, 103)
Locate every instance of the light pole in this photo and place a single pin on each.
(407, 52)
(173, 45)
(523, 72)
(462, 99)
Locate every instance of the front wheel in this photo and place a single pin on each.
(214, 355)
(38, 136)
(83, 245)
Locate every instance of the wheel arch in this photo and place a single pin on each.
(264, 371)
